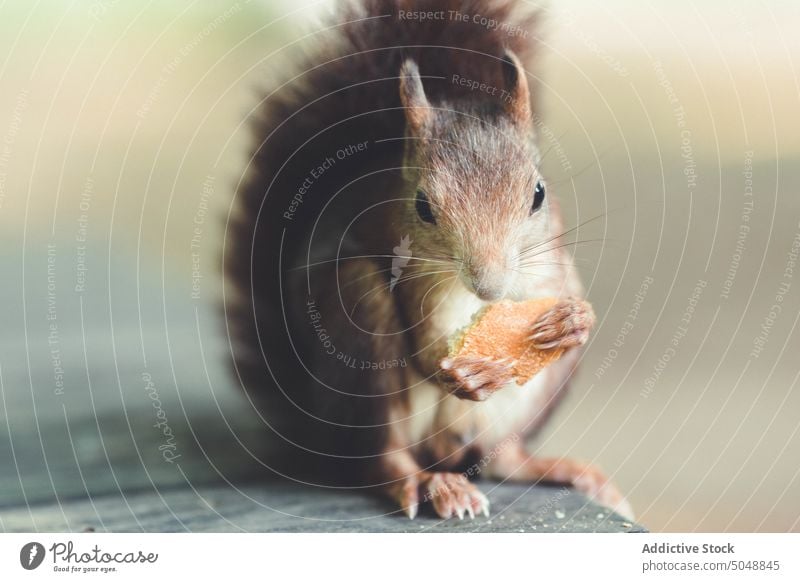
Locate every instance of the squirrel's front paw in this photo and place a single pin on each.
(565, 325)
(475, 378)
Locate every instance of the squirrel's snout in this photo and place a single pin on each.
(489, 293)
(489, 283)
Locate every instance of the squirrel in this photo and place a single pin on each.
(394, 190)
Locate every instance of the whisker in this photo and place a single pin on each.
(423, 274)
(576, 242)
(370, 274)
(556, 142)
(422, 302)
(523, 267)
(547, 264)
(568, 231)
(594, 162)
(388, 284)
(336, 260)
(527, 268)
(364, 296)
(577, 174)
(542, 275)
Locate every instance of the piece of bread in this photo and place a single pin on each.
(501, 330)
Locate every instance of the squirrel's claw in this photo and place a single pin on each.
(475, 378)
(450, 494)
(453, 494)
(567, 324)
(406, 494)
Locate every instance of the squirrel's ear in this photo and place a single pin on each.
(518, 105)
(412, 95)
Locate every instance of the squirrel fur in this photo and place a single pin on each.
(394, 189)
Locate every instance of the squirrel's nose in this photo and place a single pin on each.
(489, 293)
(489, 283)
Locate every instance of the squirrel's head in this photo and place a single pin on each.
(473, 185)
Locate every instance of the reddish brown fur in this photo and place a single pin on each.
(475, 157)
(347, 91)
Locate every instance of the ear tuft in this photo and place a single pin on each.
(518, 99)
(412, 95)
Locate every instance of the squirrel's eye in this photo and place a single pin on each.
(424, 207)
(538, 196)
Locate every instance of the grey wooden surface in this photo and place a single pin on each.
(283, 507)
(107, 474)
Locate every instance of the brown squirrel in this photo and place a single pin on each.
(394, 191)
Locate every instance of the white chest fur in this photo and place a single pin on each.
(435, 417)
(435, 414)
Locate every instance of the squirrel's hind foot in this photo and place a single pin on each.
(516, 464)
(450, 494)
